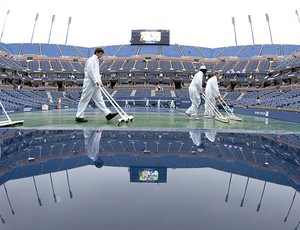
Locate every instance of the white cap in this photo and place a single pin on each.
(202, 67)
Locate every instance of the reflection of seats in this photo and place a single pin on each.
(71, 162)
(138, 146)
(169, 161)
(35, 152)
(116, 146)
(52, 165)
(105, 146)
(147, 161)
(245, 170)
(46, 150)
(187, 162)
(175, 146)
(264, 175)
(32, 170)
(78, 145)
(126, 160)
(57, 149)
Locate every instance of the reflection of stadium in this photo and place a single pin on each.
(36, 157)
(267, 157)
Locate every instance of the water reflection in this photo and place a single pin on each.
(248, 169)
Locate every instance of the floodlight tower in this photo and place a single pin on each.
(297, 15)
(70, 20)
(53, 19)
(268, 21)
(250, 21)
(4, 25)
(233, 23)
(36, 18)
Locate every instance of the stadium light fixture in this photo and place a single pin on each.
(233, 23)
(268, 21)
(296, 11)
(250, 21)
(69, 22)
(52, 21)
(36, 19)
(4, 24)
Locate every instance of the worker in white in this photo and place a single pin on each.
(91, 83)
(92, 145)
(212, 93)
(195, 90)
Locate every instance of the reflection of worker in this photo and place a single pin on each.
(92, 145)
(211, 135)
(196, 137)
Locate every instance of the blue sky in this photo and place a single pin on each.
(191, 22)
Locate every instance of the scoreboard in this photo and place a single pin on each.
(150, 37)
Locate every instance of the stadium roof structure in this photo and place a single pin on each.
(174, 51)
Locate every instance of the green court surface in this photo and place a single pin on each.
(148, 119)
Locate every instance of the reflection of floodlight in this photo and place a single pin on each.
(297, 225)
(262, 194)
(285, 219)
(36, 191)
(70, 192)
(229, 184)
(3, 221)
(53, 192)
(258, 207)
(12, 210)
(243, 199)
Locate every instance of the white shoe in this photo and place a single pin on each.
(189, 114)
(194, 118)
